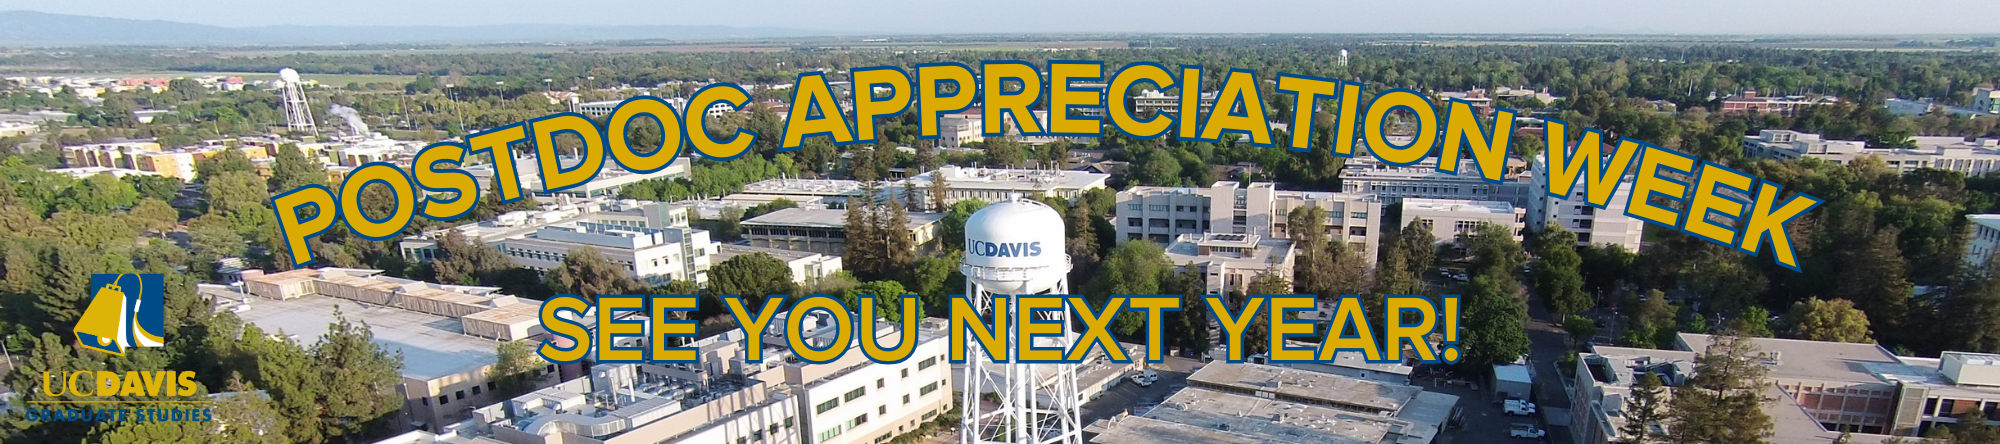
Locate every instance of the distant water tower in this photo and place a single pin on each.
(298, 114)
(1013, 248)
(1343, 56)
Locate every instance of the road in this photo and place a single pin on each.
(1548, 344)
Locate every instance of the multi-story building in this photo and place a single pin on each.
(1255, 403)
(1450, 219)
(1162, 214)
(994, 185)
(1985, 99)
(1392, 184)
(650, 240)
(830, 193)
(1818, 391)
(825, 231)
(1985, 238)
(1595, 226)
(1750, 102)
(806, 266)
(1230, 262)
(1945, 153)
(609, 181)
(599, 110)
(449, 332)
(624, 403)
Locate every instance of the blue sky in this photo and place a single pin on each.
(962, 16)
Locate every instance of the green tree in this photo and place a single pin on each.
(1644, 411)
(361, 377)
(464, 261)
(1495, 322)
(1325, 267)
(516, 370)
(154, 216)
(291, 169)
(250, 416)
(99, 194)
(585, 272)
(1132, 268)
(951, 229)
(1723, 402)
(1834, 320)
(1558, 277)
(1580, 328)
(888, 299)
(754, 276)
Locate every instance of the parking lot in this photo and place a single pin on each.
(1130, 397)
(1483, 420)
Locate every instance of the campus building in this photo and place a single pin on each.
(824, 231)
(447, 333)
(1230, 262)
(994, 184)
(1450, 219)
(1255, 403)
(1818, 390)
(1939, 152)
(651, 241)
(1163, 214)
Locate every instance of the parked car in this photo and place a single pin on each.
(1145, 378)
(1525, 430)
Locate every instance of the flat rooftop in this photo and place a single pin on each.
(1812, 360)
(1458, 206)
(726, 251)
(1011, 179)
(1319, 387)
(802, 217)
(431, 345)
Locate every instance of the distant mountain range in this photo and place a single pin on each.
(30, 28)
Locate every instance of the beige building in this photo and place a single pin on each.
(1818, 390)
(994, 184)
(1449, 219)
(1163, 214)
(1230, 262)
(824, 231)
(1255, 403)
(447, 334)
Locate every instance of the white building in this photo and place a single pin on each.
(598, 110)
(1592, 225)
(1449, 219)
(1945, 153)
(1162, 214)
(651, 240)
(1985, 238)
(806, 266)
(1255, 403)
(449, 332)
(625, 404)
(1392, 184)
(824, 231)
(1230, 262)
(995, 184)
(610, 179)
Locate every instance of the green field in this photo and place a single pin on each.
(324, 79)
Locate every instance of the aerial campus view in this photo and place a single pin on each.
(1668, 222)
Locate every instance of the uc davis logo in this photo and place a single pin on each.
(126, 310)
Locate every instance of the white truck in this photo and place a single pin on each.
(1519, 407)
(1528, 431)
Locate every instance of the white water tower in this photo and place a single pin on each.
(1012, 248)
(298, 113)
